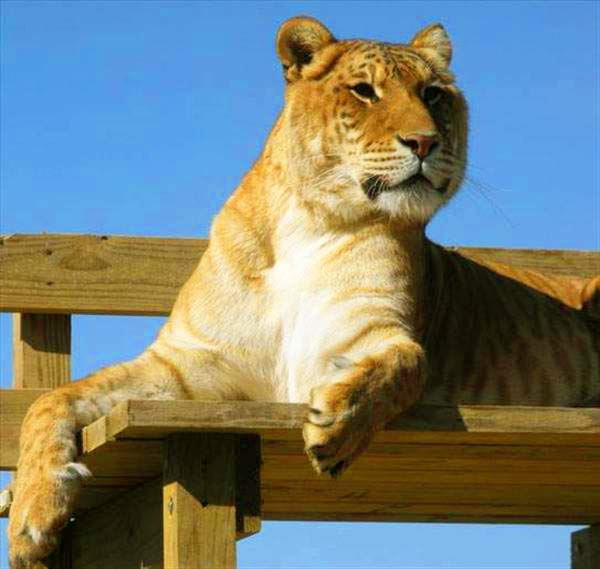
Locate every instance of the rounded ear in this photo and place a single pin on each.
(298, 39)
(436, 41)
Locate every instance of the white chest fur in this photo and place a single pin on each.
(301, 293)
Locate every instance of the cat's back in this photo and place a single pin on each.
(508, 338)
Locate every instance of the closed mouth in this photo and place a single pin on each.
(376, 185)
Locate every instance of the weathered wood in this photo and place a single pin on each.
(405, 475)
(156, 419)
(13, 407)
(375, 468)
(412, 491)
(585, 548)
(126, 532)
(90, 274)
(41, 350)
(278, 423)
(94, 274)
(494, 464)
(199, 512)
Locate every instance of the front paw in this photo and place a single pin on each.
(41, 508)
(339, 427)
(344, 415)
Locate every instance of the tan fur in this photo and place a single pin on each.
(319, 285)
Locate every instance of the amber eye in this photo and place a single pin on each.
(432, 95)
(364, 91)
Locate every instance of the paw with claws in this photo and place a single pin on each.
(43, 502)
(345, 414)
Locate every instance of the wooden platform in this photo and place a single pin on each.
(466, 464)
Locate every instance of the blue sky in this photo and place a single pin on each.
(140, 118)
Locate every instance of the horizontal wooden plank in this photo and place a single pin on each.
(468, 424)
(102, 274)
(281, 424)
(94, 274)
(441, 513)
(135, 459)
(556, 262)
(410, 508)
(140, 457)
(444, 453)
(349, 492)
(370, 469)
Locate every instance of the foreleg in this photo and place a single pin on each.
(48, 475)
(345, 413)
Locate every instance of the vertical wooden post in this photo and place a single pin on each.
(41, 350)
(247, 499)
(42, 359)
(199, 495)
(585, 548)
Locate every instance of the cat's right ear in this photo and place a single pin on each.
(298, 39)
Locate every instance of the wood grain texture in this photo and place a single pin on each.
(91, 274)
(41, 350)
(199, 513)
(489, 468)
(156, 419)
(13, 407)
(585, 548)
(126, 532)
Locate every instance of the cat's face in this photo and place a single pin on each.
(375, 127)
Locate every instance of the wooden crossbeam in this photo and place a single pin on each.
(90, 274)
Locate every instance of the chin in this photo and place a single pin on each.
(415, 205)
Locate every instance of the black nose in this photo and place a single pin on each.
(421, 144)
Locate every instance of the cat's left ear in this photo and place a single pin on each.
(298, 40)
(435, 41)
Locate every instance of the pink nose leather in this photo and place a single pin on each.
(421, 144)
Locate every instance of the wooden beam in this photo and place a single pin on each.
(560, 263)
(199, 513)
(465, 425)
(585, 548)
(41, 350)
(90, 274)
(157, 419)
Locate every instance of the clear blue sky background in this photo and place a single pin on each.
(141, 117)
